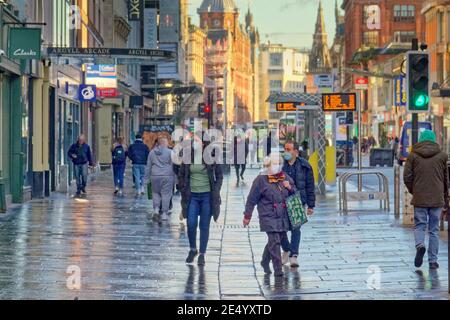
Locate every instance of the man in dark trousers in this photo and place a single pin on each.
(81, 156)
(426, 178)
(301, 172)
(138, 154)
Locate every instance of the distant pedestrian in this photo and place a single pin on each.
(268, 193)
(138, 154)
(302, 174)
(200, 186)
(241, 149)
(81, 156)
(119, 161)
(160, 172)
(426, 178)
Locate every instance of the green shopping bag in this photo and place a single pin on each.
(296, 211)
(149, 191)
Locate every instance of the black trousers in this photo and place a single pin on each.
(272, 251)
(241, 168)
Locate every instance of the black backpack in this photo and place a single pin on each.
(119, 154)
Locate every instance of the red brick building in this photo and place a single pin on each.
(375, 24)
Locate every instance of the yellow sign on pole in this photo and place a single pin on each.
(333, 102)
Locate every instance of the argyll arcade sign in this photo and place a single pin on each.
(76, 52)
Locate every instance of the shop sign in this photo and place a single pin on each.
(107, 92)
(400, 96)
(87, 93)
(362, 83)
(24, 43)
(135, 9)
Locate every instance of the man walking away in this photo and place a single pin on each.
(160, 170)
(426, 177)
(81, 156)
(138, 154)
(119, 160)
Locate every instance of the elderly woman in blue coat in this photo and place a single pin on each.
(268, 193)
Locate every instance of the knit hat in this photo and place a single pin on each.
(427, 135)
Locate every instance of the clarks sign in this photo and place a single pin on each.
(24, 43)
(135, 10)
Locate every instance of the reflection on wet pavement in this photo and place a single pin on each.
(116, 251)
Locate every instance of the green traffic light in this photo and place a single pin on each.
(421, 100)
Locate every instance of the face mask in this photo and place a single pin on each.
(287, 156)
(275, 169)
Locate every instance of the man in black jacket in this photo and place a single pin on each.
(138, 154)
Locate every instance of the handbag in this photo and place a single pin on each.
(296, 211)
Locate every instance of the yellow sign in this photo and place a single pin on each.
(288, 106)
(339, 102)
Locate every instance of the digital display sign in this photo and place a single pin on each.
(289, 106)
(333, 102)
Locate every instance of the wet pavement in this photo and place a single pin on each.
(115, 250)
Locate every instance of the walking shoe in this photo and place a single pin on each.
(294, 262)
(201, 260)
(116, 191)
(285, 258)
(83, 191)
(420, 252)
(266, 266)
(434, 265)
(120, 193)
(164, 217)
(191, 256)
(242, 177)
(156, 217)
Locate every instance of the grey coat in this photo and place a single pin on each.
(268, 198)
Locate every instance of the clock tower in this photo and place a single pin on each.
(219, 15)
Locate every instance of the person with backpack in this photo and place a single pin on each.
(81, 156)
(119, 160)
(138, 153)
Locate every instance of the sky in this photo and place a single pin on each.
(295, 17)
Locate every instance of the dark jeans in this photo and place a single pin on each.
(200, 206)
(81, 172)
(119, 172)
(293, 247)
(272, 250)
(240, 167)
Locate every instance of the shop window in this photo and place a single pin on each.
(404, 36)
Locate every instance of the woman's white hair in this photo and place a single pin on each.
(273, 158)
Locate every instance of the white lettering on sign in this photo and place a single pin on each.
(23, 53)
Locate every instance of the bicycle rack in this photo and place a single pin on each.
(382, 195)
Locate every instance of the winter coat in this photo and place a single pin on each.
(304, 181)
(215, 175)
(159, 163)
(426, 175)
(270, 202)
(138, 153)
(80, 154)
(117, 162)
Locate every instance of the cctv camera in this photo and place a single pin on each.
(2, 53)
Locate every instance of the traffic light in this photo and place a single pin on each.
(207, 110)
(201, 110)
(418, 81)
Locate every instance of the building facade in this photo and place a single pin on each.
(229, 72)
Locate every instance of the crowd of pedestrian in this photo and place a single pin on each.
(283, 192)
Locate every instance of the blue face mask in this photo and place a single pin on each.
(287, 156)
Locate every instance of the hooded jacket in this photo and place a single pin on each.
(426, 175)
(138, 152)
(159, 163)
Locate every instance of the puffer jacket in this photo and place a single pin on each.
(426, 175)
(304, 181)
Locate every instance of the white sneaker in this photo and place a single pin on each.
(294, 262)
(285, 258)
(120, 193)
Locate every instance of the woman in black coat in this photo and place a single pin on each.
(269, 192)
(200, 186)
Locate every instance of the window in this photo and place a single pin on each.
(275, 84)
(276, 59)
(404, 13)
(370, 39)
(404, 36)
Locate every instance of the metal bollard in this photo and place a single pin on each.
(2, 195)
(397, 190)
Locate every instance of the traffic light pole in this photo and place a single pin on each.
(415, 116)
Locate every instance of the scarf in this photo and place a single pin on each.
(280, 177)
